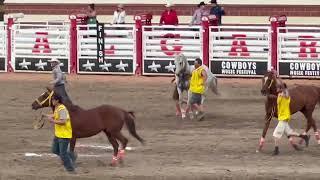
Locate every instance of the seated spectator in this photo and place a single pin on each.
(198, 14)
(119, 15)
(169, 16)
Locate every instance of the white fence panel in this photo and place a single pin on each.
(299, 52)
(160, 44)
(3, 48)
(119, 50)
(239, 50)
(33, 45)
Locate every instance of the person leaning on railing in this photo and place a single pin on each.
(169, 16)
(217, 10)
(198, 14)
(119, 15)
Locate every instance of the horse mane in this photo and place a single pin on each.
(72, 107)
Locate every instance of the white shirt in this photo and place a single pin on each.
(119, 17)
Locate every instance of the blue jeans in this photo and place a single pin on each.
(60, 148)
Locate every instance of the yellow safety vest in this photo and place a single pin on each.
(65, 130)
(197, 83)
(283, 108)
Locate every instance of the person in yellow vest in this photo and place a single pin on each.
(63, 133)
(197, 88)
(283, 105)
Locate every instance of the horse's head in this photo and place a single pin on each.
(269, 83)
(44, 100)
(181, 63)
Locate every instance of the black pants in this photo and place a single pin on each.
(61, 91)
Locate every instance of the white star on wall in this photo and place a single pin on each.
(40, 64)
(170, 67)
(24, 64)
(121, 66)
(154, 67)
(88, 65)
(105, 66)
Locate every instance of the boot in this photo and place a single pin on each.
(306, 138)
(200, 116)
(276, 151)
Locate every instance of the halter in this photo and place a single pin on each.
(269, 84)
(46, 99)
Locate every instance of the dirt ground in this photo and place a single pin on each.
(220, 147)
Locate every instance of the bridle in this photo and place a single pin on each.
(46, 99)
(272, 80)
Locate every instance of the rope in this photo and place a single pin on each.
(272, 113)
(39, 123)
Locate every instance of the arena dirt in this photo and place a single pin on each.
(220, 147)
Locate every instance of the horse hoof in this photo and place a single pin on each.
(318, 141)
(114, 161)
(257, 151)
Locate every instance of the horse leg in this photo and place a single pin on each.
(73, 154)
(176, 99)
(183, 115)
(312, 123)
(268, 119)
(124, 142)
(115, 146)
(178, 109)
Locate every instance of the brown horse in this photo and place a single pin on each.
(304, 98)
(87, 123)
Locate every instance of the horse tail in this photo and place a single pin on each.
(129, 120)
(214, 85)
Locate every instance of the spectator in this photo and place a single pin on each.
(119, 15)
(92, 15)
(198, 14)
(217, 10)
(169, 16)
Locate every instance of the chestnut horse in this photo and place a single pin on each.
(304, 98)
(87, 123)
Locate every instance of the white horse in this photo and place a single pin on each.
(182, 76)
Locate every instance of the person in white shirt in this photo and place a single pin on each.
(119, 15)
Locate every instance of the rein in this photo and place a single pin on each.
(273, 110)
(270, 84)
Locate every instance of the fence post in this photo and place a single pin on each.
(138, 28)
(205, 40)
(274, 42)
(9, 47)
(276, 21)
(73, 45)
